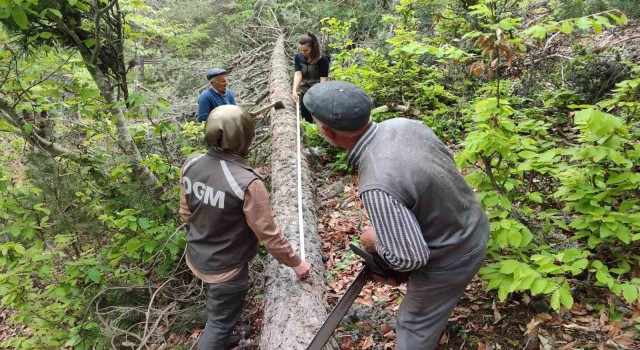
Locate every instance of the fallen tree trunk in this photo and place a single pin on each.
(293, 309)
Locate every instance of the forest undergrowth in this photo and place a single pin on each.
(538, 100)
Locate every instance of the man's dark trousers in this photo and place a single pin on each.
(432, 294)
(225, 301)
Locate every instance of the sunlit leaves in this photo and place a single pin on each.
(593, 121)
(537, 31)
(566, 27)
(89, 43)
(18, 15)
(622, 20)
(583, 23)
(480, 10)
(5, 12)
(593, 176)
(28, 129)
(630, 292)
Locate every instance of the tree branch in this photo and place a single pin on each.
(18, 122)
(84, 51)
(42, 80)
(98, 16)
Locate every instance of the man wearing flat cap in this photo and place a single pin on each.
(228, 211)
(426, 219)
(216, 94)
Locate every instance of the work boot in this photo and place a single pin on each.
(234, 340)
(238, 333)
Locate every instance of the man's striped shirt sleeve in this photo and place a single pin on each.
(399, 238)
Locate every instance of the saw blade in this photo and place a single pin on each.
(341, 308)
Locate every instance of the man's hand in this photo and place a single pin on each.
(368, 239)
(302, 270)
(295, 97)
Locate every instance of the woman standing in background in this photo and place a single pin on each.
(312, 67)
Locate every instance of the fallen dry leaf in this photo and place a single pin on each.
(636, 313)
(385, 328)
(481, 346)
(347, 344)
(195, 333)
(604, 317)
(368, 342)
(555, 321)
(615, 329)
(390, 335)
(532, 326)
(496, 313)
(173, 338)
(575, 326)
(366, 300)
(453, 319)
(570, 346)
(543, 317)
(566, 337)
(545, 344)
(444, 338)
(578, 309)
(625, 339)
(586, 319)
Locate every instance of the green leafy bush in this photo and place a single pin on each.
(590, 191)
(559, 180)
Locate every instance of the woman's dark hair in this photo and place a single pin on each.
(310, 40)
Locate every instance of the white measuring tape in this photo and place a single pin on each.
(300, 223)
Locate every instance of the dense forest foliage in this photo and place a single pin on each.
(539, 100)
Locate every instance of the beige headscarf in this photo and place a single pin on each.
(229, 129)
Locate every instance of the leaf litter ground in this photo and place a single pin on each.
(598, 320)
(479, 321)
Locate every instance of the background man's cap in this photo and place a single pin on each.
(339, 105)
(215, 72)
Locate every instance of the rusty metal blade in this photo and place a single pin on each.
(341, 308)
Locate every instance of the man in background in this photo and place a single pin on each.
(216, 94)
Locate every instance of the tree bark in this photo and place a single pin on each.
(294, 310)
(140, 63)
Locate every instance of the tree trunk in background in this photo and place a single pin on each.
(293, 310)
(125, 141)
(140, 63)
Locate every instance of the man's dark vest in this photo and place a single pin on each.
(219, 238)
(310, 73)
(408, 161)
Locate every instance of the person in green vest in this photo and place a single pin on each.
(228, 211)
